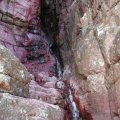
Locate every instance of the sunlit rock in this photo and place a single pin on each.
(14, 77)
(13, 107)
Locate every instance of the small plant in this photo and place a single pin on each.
(118, 30)
(118, 33)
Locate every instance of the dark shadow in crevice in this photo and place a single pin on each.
(49, 19)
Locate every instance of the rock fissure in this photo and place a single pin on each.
(67, 64)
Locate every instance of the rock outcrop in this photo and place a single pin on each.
(47, 92)
(14, 77)
(12, 107)
(83, 34)
(91, 55)
(16, 80)
(21, 33)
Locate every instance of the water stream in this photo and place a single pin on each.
(73, 107)
(49, 20)
(59, 69)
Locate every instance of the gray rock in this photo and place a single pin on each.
(14, 77)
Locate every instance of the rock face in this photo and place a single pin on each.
(89, 41)
(91, 37)
(46, 92)
(12, 107)
(21, 33)
(14, 77)
(21, 9)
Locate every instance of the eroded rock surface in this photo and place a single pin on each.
(21, 33)
(88, 37)
(12, 107)
(46, 92)
(91, 54)
(14, 77)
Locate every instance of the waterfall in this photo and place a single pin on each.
(73, 107)
(59, 70)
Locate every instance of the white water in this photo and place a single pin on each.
(74, 109)
(59, 70)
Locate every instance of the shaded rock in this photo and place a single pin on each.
(14, 77)
(113, 85)
(98, 106)
(12, 107)
(97, 97)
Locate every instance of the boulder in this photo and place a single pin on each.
(17, 108)
(14, 77)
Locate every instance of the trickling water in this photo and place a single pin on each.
(70, 99)
(59, 70)
(73, 107)
(50, 20)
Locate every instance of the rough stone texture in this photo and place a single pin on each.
(46, 92)
(22, 9)
(91, 54)
(20, 32)
(14, 77)
(13, 107)
(89, 40)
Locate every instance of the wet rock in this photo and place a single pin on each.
(14, 77)
(12, 107)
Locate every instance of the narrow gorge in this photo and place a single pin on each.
(59, 60)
